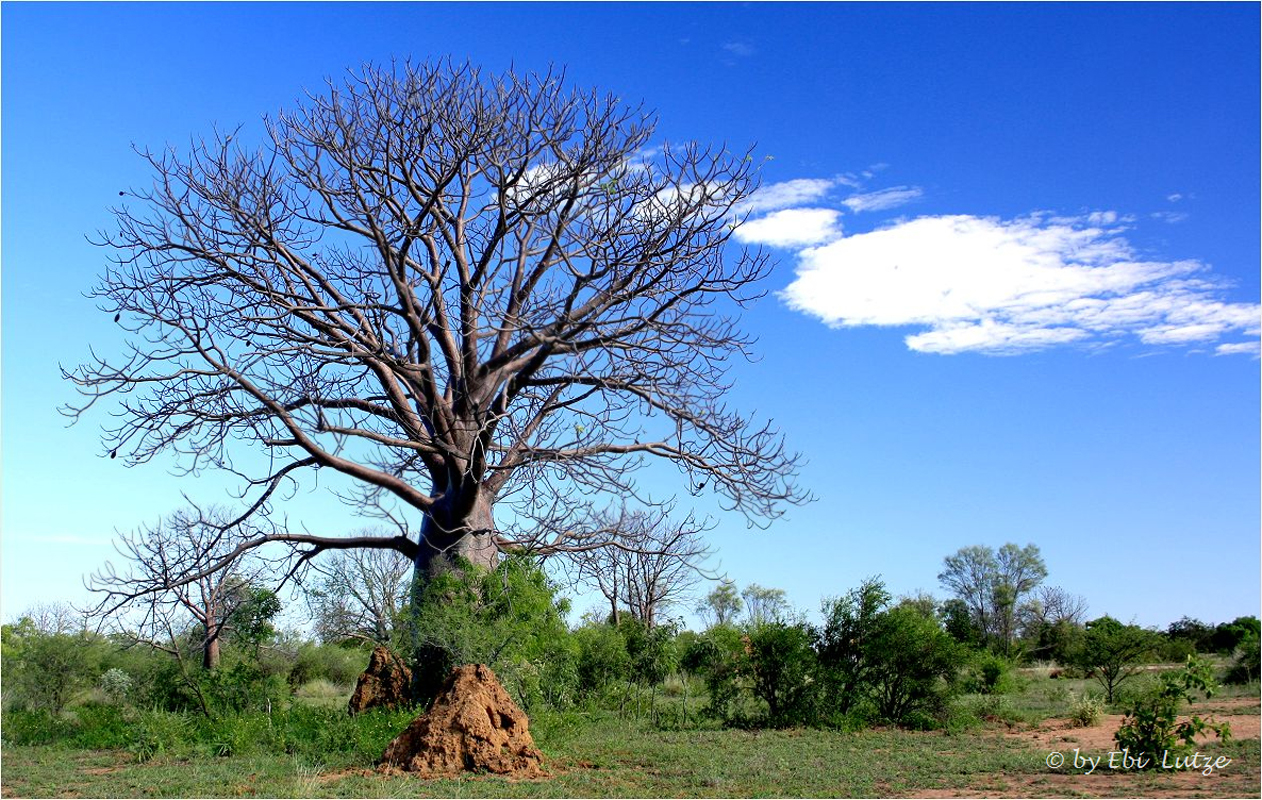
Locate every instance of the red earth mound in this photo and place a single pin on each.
(385, 684)
(472, 726)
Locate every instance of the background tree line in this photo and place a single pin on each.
(758, 661)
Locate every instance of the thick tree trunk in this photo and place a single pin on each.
(446, 538)
(210, 653)
(448, 535)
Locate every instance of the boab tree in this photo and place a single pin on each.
(457, 290)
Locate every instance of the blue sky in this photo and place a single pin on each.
(1016, 296)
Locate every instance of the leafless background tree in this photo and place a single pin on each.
(1053, 605)
(176, 574)
(651, 563)
(358, 594)
(459, 291)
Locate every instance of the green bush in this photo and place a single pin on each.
(48, 670)
(1086, 711)
(914, 662)
(723, 662)
(989, 673)
(842, 644)
(602, 660)
(1245, 666)
(1152, 734)
(34, 726)
(783, 664)
(117, 685)
(502, 618)
(333, 663)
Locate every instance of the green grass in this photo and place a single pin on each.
(603, 756)
(310, 750)
(606, 757)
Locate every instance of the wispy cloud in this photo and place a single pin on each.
(982, 284)
(1170, 217)
(882, 199)
(740, 48)
(1239, 348)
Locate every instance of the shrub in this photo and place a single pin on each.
(602, 659)
(47, 670)
(1087, 710)
(503, 617)
(782, 664)
(242, 687)
(913, 660)
(117, 685)
(1245, 667)
(989, 673)
(720, 657)
(1152, 733)
(850, 623)
(333, 663)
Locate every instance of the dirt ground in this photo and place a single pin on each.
(1062, 736)
(1057, 734)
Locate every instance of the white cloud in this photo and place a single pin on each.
(882, 199)
(1170, 217)
(986, 285)
(787, 194)
(1174, 198)
(739, 48)
(1242, 348)
(793, 227)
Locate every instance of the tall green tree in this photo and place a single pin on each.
(993, 585)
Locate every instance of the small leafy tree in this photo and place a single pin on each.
(850, 623)
(722, 605)
(764, 605)
(912, 661)
(1112, 652)
(782, 664)
(1152, 733)
(721, 658)
(959, 623)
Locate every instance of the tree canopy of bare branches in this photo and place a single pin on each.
(458, 290)
(359, 594)
(180, 569)
(650, 563)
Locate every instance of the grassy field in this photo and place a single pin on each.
(603, 756)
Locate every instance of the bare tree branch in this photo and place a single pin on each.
(458, 290)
